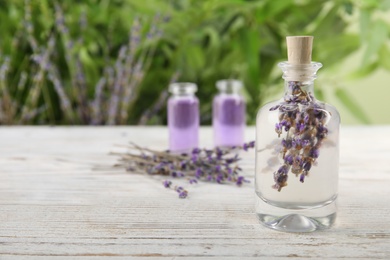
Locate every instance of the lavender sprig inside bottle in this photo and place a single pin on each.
(304, 122)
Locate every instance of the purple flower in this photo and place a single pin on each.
(219, 178)
(252, 144)
(289, 159)
(319, 113)
(302, 178)
(300, 127)
(286, 124)
(240, 180)
(218, 168)
(296, 143)
(278, 128)
(192, 181)
(287, 143)
(195, 151)
(287, 127)
(182, 192)
(314, 153)
(198, 173)
(298, 160)
(305, 142)
(306, 119)
(274, 108)
(167, 183)
(283, 169)
(194, 158)
(160, 166)
(321, 132)
(303, 119)
(280, 177)
(307, 166)
(245, 147)
(219, 152)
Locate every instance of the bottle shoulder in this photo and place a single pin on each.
(335, 115)
(266, 107)
(183, 99)
(274, 106)
(224, 96)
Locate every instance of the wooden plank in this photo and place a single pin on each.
(59, 199)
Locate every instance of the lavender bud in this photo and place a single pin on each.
(314, 153)
(278, 128)
(305, 142)
(196, 151)
(300, 127)
(194, 158)
(219, 178)
(289, 159)
(167, 183)
(198, 173)
(283, 169)
(302, 178)
(183, 165)
(306, 119)
(298, 160)
(183, 194)
(296, 143)
(219, 153)
(240, 180)
(307, 166)
(287, 143)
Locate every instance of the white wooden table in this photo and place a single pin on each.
(60, 198)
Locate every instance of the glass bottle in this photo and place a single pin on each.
(228, 114)
(183, 117)
(297, 143)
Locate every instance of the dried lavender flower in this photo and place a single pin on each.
(304, 122)
(208, 165)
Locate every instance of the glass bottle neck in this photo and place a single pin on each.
(299, 91)
(183, 89)
(229, 86)
(299, 81)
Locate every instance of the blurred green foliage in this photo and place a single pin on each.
(201, 41)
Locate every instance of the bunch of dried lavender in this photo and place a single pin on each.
(304, 121)
(215, 165)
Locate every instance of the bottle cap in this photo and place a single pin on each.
(299, 49)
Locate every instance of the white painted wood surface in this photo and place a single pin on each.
(59, 199)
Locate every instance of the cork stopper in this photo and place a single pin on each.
(299, 49)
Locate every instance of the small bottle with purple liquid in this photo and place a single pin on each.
(183, 117)
(229, 114)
